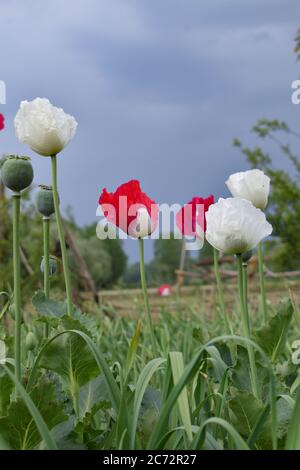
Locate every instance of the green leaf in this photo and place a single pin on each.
(177, 367)
(241, 378)
(6, 388)
(70, 357)
(132, 349)
(293, 436)
(49, 310)
(66, 437)
(91, 394)
(19, 429)
(245, 408)
(215, 360)
(2, 350)
(140, 392)
(284, 415)
(54, 313)
(112, 387)
(272, 337)
(239, 442)
(148, 413)
(250, 416)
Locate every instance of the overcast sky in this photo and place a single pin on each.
(159, 88)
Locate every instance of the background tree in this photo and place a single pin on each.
(284, 204)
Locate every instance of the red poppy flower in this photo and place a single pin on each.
(2, 119)
(191, 217)
(130, 209)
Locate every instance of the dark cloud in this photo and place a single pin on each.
(159, 88)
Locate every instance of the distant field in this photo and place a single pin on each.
(201, 299)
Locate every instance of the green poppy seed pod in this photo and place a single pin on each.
(17, 173)
(31, 341)
(52, 265)
(44, 201)
(247, 256)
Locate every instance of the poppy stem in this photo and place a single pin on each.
(245, 325)
(146, 297)
(262, 282)
(221, 292)
(245, 289)
(46, 239)
(61, 235)
(17, 282)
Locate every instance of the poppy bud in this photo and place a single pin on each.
(252, 185)
(44, 201)
(31, 341)
(52, 265)
(17, 173)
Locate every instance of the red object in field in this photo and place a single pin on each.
(188, 219)
(165, 290)
(2, 119)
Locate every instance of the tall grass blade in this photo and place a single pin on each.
(177, 366)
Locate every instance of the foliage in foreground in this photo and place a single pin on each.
(95, 385)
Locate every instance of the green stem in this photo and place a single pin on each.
(146, 298)
(245, 325)
(262, 282)
(17, 283)
(61, 235)
(245, 289)
(220, 292)
(46, 238)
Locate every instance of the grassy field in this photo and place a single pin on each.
(202, 299)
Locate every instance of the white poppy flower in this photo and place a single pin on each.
(252, 185)
(235, 226)
(43, 127)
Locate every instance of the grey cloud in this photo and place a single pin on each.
(159, 88)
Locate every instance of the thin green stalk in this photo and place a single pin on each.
(245, 289)
(146, 298)
(17, 283)
(220, 291)
(61, 235)
(46, 238)
(245, 325)
(262, 282)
